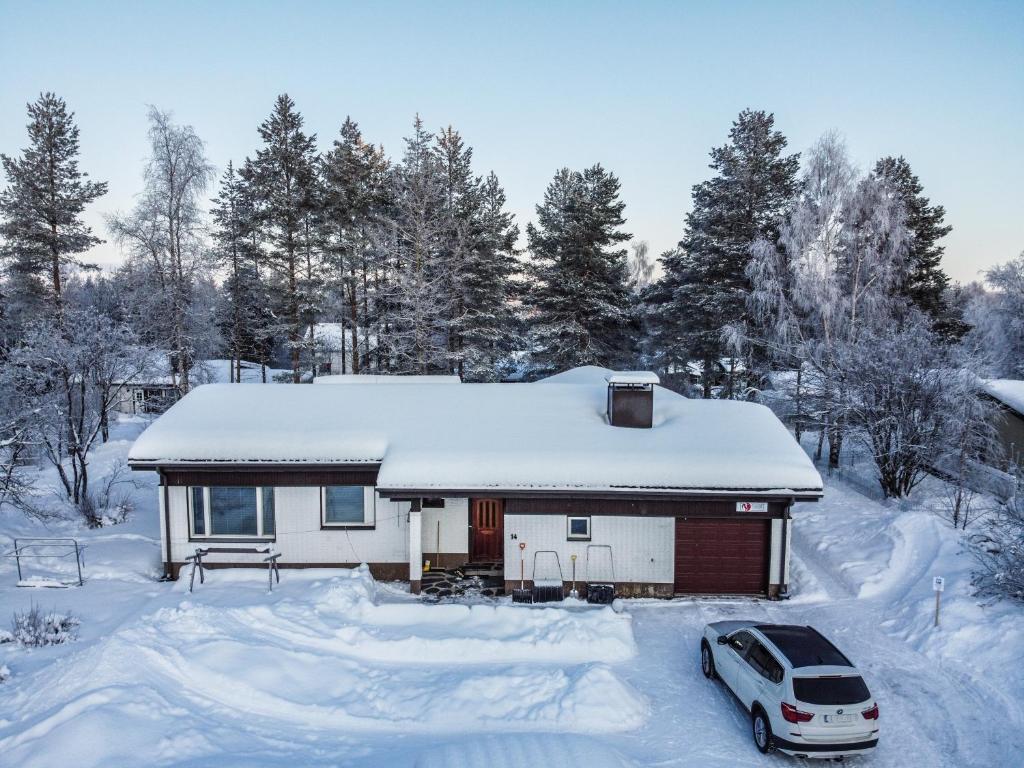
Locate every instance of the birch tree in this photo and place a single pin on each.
(164, 235)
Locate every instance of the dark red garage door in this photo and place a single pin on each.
(716, 557)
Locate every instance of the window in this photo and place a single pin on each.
(198, 511)
(433, 504)
(764, 663)
(830, 690)
(578, 528)
(347, 506)
(741, 642)
(232, 511)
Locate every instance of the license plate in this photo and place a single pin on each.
(837, 719)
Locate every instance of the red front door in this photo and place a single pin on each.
(487, 519)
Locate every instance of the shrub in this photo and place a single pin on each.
(1001, 550)
(33, 628)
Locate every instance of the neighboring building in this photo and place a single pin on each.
(154, 391)
(332, 343)
(691, 496)
(1009, 395)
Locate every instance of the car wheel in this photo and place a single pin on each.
(762, 730)
(707, 661)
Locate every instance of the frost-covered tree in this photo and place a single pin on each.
(915, 404)
(478, 261)
(578, 303)
(926, 283)
(243, 313)
(704, 285)
(164, 237)
(488, 329)
(357, 194)
(284, 182)
(41, 208)
(65, 379)
(641, 267)
(418, 304)
(831, 283)
(997, 317)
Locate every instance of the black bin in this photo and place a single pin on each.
(600, 594)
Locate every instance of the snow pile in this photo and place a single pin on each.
(454, 633)
(328, 653)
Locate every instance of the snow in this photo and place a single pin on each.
(1008, 391)
(487, 436)
(333, 669)
(358, 378)
(632, 377)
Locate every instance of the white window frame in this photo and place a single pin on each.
(369, 509)
(569, 535)
(260, 535)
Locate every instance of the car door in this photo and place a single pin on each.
(758, 676)
(732, 658)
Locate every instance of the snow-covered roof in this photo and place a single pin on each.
(358, 378)
(1007, 391)
(632, 377)
(550, 436)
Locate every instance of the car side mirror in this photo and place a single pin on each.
(722, 640)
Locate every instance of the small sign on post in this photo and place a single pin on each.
(938, 585)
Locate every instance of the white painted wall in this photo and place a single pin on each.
(299, 536)
(642, 547)
(454, 520)
(301, 540)
(776, 552)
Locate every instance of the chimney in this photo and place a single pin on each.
(631, 398)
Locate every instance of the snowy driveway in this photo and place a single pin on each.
(334, 670)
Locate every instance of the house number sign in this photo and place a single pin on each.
(751, 506)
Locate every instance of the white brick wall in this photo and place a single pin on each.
(642, 547)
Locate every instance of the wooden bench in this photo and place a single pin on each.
(271, 560)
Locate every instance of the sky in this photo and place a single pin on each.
(646, 89)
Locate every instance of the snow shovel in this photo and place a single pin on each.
(574, 593)
(522, 594)
(600, 579)
(548, 589)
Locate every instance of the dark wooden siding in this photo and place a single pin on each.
(655, 507)
(272, 477)
(718, 556)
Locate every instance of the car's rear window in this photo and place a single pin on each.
(830, 690)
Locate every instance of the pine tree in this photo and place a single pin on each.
(926, 283)
(356, 196)
(243, 315)
(704, 285)
(418, 305)
(41, 209)
(488, 330)
(284, 179)
(579, 301)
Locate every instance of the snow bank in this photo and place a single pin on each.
(334, 656)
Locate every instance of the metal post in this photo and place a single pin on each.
(937, 597)
(78, 561)
(17, 557)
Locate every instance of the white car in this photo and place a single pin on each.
(804, 696)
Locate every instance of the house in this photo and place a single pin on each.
(1008, 394)
(154, 390)
(332, 344)
(674, 495)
